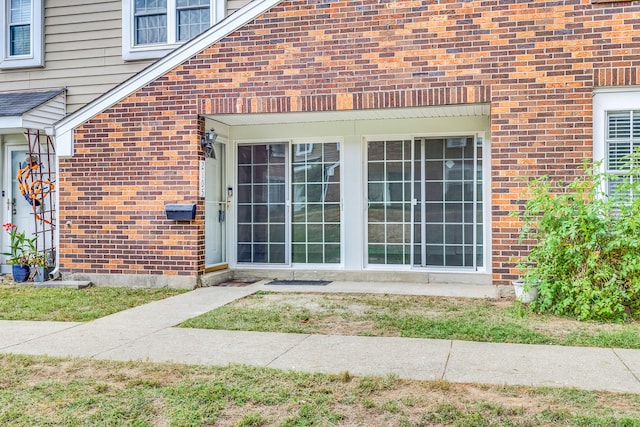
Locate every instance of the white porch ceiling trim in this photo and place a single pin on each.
(464, 110)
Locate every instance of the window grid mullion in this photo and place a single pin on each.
(172, 22)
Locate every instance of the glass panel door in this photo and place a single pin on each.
(425, 202)
(448, 205)
(216, 206)
(315, 176)
(389, 202)
(262, 204)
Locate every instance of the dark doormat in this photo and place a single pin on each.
(237, 283)
(300, 282)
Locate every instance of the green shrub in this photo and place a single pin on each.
(586, 253)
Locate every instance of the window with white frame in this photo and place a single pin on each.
(21, 36)
(616, 132)
(152, 28)
(622, 139)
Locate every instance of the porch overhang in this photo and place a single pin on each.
(461, 110)
(31, 109)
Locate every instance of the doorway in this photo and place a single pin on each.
(425, 204)
(17, 209)
(217, 203)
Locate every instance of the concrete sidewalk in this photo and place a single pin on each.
(147, 333)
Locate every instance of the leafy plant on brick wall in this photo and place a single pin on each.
(586, 259)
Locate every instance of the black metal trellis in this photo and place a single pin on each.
(37, 181)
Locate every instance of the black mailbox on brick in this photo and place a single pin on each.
(181, 212)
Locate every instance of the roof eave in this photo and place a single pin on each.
(63, 130)
(40, 116)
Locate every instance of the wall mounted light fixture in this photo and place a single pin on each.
(207, 143)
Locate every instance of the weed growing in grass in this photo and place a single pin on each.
(253, 420)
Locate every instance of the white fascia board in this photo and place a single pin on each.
(64, 144)
(216, 33)
(10, 122)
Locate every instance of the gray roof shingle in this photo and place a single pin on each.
(18, 103)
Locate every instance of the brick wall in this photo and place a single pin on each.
(128, 163)
(537, 63)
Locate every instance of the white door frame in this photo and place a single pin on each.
(216, 188)
(12, 143)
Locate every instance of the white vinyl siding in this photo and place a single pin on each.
(233, 5)
(83, 50)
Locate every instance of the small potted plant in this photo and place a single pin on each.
(22, 249)
(43, 264)
(526, 291)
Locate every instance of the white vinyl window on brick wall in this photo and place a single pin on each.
(622, 139)
(616, 131)
(152, 28)
(21, 36)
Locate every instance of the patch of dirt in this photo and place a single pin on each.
(347, 401)
(348, 314)
(336, 325)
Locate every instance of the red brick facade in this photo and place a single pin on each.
(535, 63)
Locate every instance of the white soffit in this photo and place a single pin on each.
(464, 110)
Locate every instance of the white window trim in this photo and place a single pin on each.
(604, 100)
(36, 58)
(130, 52)
(480, 136)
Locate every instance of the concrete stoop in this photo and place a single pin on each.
(474, 285)
(73, 284)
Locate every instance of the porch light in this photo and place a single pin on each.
(207, 143)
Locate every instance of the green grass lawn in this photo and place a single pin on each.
(39, 391)
(24, 302)
(412, 316)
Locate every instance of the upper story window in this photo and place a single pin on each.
(152, 28)
(21, 36)
(19, 27)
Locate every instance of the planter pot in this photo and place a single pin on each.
(20, 272)
(42, 274)
(525, 295)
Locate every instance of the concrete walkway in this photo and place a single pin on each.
(147, 333)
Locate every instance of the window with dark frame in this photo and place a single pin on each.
(19, 27)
